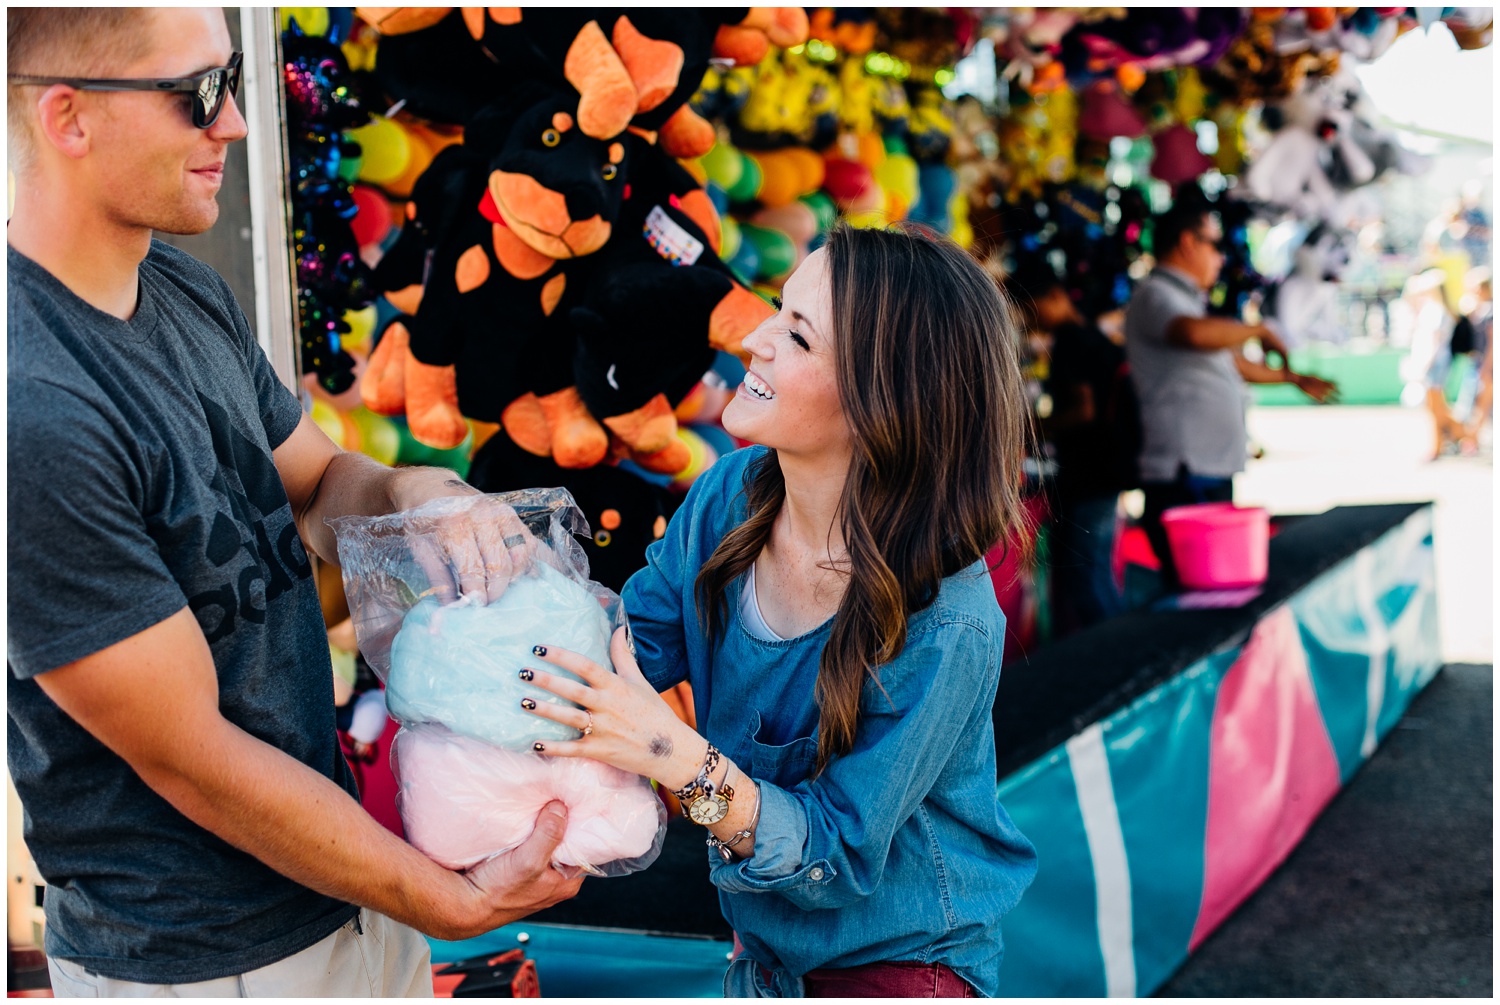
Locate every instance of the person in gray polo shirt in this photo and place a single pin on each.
(1190, 374)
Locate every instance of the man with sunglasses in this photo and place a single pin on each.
(170, 701)
(1190, 375)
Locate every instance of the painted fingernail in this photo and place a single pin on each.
(538, 746)
(539, 650)
(528, 704)
(527, 674)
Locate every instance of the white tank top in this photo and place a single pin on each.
(755, 622)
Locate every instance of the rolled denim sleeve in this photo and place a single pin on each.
(659, 596)
(824, 842)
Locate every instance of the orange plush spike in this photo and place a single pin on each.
(654, 66)
(482, 433)
(432, 405)
(788, 27)
(687, 134)
(401, 20)
(505, 15)
(607, 98)
(552, 291)
(383, 386)
(746, 46)
(735, 317)
(759, 18)
(407, 299)
(648, 429)
(526, 424)
(671, 461)
(578, 441)
(700, 208)
(472, 270)
(474, 21)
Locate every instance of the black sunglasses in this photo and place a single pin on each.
(208, 88)
(1217, 243)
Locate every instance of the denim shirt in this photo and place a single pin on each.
(899, 849)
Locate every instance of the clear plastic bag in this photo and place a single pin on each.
(448, 648)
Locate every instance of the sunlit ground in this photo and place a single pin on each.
(1321, 457)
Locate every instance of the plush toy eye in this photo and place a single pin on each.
(551, 138)
(610, 171)
(602, 538)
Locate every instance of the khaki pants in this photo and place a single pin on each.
(389, 960)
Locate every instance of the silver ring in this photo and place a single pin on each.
(514, 540)
(589, 729)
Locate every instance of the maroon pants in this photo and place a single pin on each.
(888, 980)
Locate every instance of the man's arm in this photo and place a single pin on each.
(323, 482)
(1316, 388)
(153, 699)
(1211, 333)
(476, 552)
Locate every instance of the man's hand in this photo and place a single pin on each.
(1316, 388)
(475, 556)
(520, 882)
(472, 550)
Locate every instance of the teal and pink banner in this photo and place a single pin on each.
(1155, 823)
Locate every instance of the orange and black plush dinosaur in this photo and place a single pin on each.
(659, 304)
(498, 224)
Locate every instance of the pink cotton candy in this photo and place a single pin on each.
(463, 801)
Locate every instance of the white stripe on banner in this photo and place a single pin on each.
(1101, 824)
(1378, 645)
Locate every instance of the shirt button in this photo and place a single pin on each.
(815, 874)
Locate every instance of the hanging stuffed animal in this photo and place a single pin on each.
(657, 56)
(1312, 129)
(1152, 38)
(488, 285)
(535, 193)
(628, 369)
(1303, 307)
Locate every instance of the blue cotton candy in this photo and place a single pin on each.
(459, 665)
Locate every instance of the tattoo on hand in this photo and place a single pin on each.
(661, 746)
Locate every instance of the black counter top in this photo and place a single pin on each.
(1067, 685)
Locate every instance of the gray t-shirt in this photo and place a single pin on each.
(142, 482)
(1192, 401)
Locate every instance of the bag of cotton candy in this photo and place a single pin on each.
(448, 600)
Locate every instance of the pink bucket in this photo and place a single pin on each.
(1218, 546)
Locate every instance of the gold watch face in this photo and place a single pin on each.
(707, 810)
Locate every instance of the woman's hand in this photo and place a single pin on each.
(631, 726)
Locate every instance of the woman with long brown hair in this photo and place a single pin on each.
(826, 595)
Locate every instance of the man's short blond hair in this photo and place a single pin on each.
(64, 42)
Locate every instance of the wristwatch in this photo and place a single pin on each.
(705, 802)
(710, 807)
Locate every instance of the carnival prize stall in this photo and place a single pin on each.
(526, 244)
